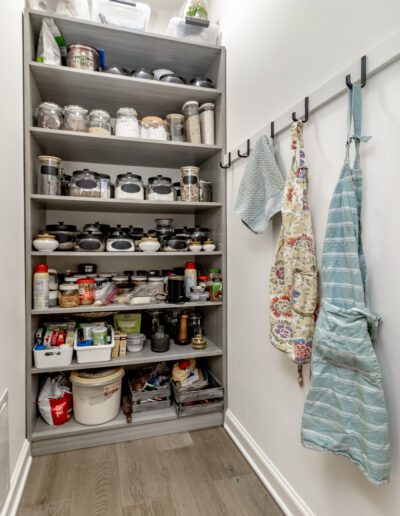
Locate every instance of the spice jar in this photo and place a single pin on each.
(85, 183)
(68, 295)
(49, 115)
(191, 111)
(49, 177)
(190, 191)
(176, 126)
(129, 186)
(99, 122)
(207, 123)
(153, 128)
(160, 188)
(127, 123)
(87, 289)
(82, 56)
(75, 118)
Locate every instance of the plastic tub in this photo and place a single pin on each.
(60, 356)
(97, 395)
(87, 354)
(136, 342)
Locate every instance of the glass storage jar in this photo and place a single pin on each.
(68, 295)
(90, 241)
(85, 183)
(207, 123)
(75, 118)
(191, 111)
(190, 188)
(205, 191)
(99, 122)
(49, 115)
(153, 128)
(119, 240)
(87, 289)
(106, 187)
(176, 126)
(49, 175)
(129, 186)
(127, 123)
(159, 188)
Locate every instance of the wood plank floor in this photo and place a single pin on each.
(199, 473)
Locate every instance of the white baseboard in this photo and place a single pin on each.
(285, 496)
(17, 482)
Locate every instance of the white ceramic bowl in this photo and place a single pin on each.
(195, 248)
(149, 247)
(45, 245)
(209, 248)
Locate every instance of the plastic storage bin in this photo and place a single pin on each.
(122, 13)
(178, 28)
(97, 395)
(60, 356)
(89, 354)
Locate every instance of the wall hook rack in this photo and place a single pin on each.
(349, 84)
(272, 130)
(306, 111)
(247, 152)
(229, 162)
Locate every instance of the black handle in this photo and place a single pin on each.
(247, 152)
(229, 162)
(306, 111)
(349, 84)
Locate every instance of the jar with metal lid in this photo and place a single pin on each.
(207, 123)
(191, 111)
(82, 56)
(99, 122)
(68, 295)
(75, 118)
(87, 289)
(190, 191)
(160, 188)
(49, 115)
(129, 186)
(127, 123)
(90, 241)
(64, 233)
(205, 191)
(119, 240)
(85, 183)
(106, 186)
(153, 128)
(49, 175)
(176, 126)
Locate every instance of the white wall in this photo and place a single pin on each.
(288, 64)
(12, 309)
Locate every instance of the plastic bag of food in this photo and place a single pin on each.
(195, 9)
(128, 323)
(55, 400)
(74, 8)
(105, 295)
(51, 47)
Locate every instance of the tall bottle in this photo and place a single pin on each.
(41, 287)
(190, 277)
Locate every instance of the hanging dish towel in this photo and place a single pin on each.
(293, 279)
(345, 410)
(260, 191)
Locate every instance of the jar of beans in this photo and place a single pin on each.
(49, 115)
(191, 111)
(190, 191)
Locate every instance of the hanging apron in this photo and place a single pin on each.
(293, 278)
(345, 410)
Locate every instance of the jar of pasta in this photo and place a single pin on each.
(68, 296)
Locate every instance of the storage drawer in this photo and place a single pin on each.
(194, 402)
(140, 401)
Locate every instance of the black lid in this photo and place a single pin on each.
(159, 177)
(129, 174)
(85, 171)
(118, 232)
(60, 227)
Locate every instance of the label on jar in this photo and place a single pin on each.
(46, 170)
(86, 293)
(130, 188)
(162, 190)
(190, 180)
(90, 245)
(86, 184)
(121, 245)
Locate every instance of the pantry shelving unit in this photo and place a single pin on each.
(115, 155)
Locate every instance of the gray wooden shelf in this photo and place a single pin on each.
(65, 86)
(146, 356)
(126, 254)
(59, 202)
(83, 309)
(117, 150)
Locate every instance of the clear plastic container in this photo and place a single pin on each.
(124, 13)
(85, 183)
(75, 119)
(153, 128)
(87, 288)
(90, 241)
(129, 186)
(159, 188)
(68, 295)
(178, 28)
(190, 188)
(49, 175)
(49, 115)
(207, 123)
(176, 126)
(99, 122)
(191, 111)
(127, 123)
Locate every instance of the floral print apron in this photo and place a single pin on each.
(293, 278)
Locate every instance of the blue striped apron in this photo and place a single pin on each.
(345, 411)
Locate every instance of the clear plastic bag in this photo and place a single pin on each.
(105, 295)
(144, 294)
(50, 43)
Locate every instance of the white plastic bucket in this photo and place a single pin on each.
(96, 395)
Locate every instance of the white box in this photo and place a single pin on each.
(87, 354)
(57, 356)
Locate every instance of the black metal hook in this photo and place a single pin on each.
(272, 130)
(306, 112)
(247, 153)
(229, 162)
(349, 84)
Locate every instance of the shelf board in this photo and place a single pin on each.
(117, 150)
(65, 86)
(146, 356)
(123, 308)
(124, 254)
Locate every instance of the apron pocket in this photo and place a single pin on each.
(305, 291)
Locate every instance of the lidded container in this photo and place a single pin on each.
(200, 234)
(68, 295)
(75, 118)
(176, 126)
(119, 240)
(99, 122)
(129, 186)
(106, 187)
(191, 111)
(190, 188)
(85, 183)
(64, 233)
(159, 188)
(207, 123)
(90, 241)
(205, 191)
(49, 115)
(127, 14)
(127, 123)
(87, 288)
(49, 175)
(153, 128)
(82, 56)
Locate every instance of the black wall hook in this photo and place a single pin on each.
(363, 74)
(247, 152)
(272, 130)
(229, 162)
(294, 118)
